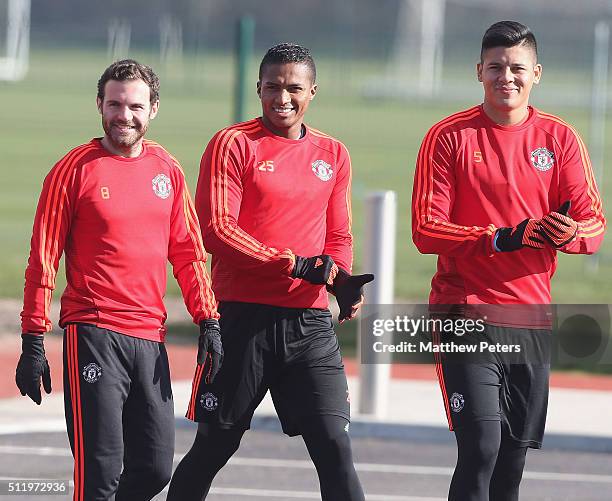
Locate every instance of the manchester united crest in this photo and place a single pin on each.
(209, 402)
(456, 402)
(91, 373)
(162, 186)
(322, 170)
(542, 159)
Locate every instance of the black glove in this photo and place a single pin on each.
(348, 290)
(525, 234)
(210, 348)
(558, 228)
(33, 366)
(318, 270)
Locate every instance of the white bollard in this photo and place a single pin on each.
(378, 258)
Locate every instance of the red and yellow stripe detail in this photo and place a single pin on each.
(52, 218)
(192, 226)
(425, 223)
(596, 225)
(230, 233)
(348, 195)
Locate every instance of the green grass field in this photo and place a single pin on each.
(54, 110)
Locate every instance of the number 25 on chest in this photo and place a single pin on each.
(265, 165)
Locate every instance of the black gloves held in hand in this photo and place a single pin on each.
(318, 270)
(348, 290)
(525, 234)
(32, 367)
(558, 228)
(210, 348)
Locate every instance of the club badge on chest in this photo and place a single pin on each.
(162, 186)
(322, 170)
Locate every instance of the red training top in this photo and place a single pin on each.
(262, 199)
(474, 176)
(119, 220)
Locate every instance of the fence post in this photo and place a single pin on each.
(244, 53)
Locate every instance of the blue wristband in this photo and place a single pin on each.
(495, 242)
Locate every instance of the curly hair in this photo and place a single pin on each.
(128, 69)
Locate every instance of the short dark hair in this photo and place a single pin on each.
(508, 34)
(284, 53)
(128, 69)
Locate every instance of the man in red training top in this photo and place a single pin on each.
(274, 204)
(499, 189)
(118, 207)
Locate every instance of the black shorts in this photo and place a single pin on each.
(516, 394)
(293, 352)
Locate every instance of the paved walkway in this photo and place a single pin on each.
(579, 412)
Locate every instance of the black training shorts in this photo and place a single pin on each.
(293, 352)
(491, 388)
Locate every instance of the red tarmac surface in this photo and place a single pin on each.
(182, 360)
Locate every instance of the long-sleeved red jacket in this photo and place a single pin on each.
(474, 176)
(118, 221)
(261, 200)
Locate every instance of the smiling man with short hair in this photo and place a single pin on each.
(119, 209)
(274, 204)
(498, 190)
